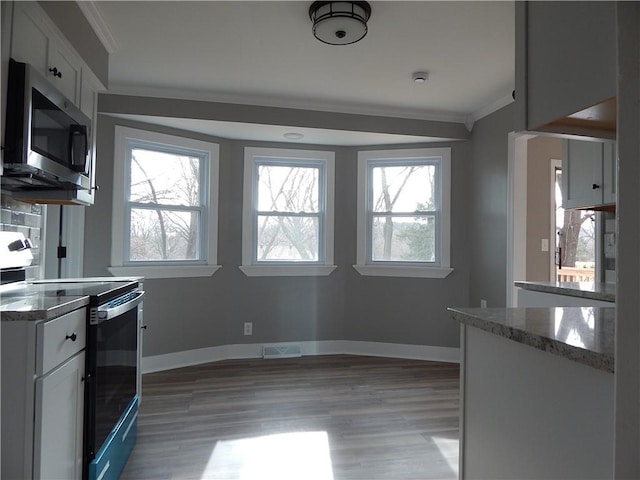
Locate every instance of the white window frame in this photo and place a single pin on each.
(204, 267)
(365, 265)
(324, 266)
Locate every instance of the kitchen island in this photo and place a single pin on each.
(537, 392)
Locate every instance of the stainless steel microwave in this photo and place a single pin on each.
(47, 138)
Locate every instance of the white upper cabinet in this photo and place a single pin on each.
(88, 98)
(35, 41)
(588, 174)
(65, 71)
(566, 67)
(29, 42)
(610, 174)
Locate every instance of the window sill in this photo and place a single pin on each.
(160, 271)
(287, 270)
(402, 271)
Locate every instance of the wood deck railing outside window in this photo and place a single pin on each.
(573, 274)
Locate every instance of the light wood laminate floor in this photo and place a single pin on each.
(336, 417)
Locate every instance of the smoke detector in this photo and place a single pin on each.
(420, 77)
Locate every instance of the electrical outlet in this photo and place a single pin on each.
(248, 328)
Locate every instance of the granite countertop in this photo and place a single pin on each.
(34, 307)
(47, 299)
(582, 334)
(605, 292)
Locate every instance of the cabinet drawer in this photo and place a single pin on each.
(59, 339)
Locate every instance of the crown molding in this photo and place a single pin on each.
(488, 109)
(100, 26)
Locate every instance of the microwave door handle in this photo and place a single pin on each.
(105, 313)
(78, 159)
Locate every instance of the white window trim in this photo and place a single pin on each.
(366, 268)
(292, 268)
(178, 269)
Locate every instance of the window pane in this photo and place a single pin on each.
(164, 235)
(164, 178)
(288, 189)
(404, 188)
(406, 239)
(288, 238)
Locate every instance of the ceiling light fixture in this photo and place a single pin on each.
(420, 77)
(339, 23)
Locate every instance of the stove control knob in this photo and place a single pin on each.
(19, 245)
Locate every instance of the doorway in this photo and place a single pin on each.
(531, 252)
(574, 233)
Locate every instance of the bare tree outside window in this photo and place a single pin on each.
(404, 211)
(576, 232)
(165, 199)
(288, 216)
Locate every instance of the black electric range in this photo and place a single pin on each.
(99, 291)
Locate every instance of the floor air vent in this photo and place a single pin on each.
(281, 351)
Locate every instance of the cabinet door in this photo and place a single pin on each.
(610, 174)
(67, 76)
(29, 41)
(547, 35)
(582, 173)
(33, 42)
(88, 99)
(88, 105)
(58, 422)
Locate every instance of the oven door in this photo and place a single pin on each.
(111, 367)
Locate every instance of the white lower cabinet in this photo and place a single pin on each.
(527, 413)
(58, 421)
(43, 365)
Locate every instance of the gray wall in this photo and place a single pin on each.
(540, 151)
(192, 313)
(487, 241)
(410, 310)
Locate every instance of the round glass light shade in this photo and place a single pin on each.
(339, 23)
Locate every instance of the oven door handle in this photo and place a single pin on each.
(106, 313)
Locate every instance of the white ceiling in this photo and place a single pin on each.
(264, 53)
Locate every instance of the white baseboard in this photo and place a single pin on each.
(199, 356)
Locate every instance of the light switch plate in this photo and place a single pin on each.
(610, 245)
(544, 244)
